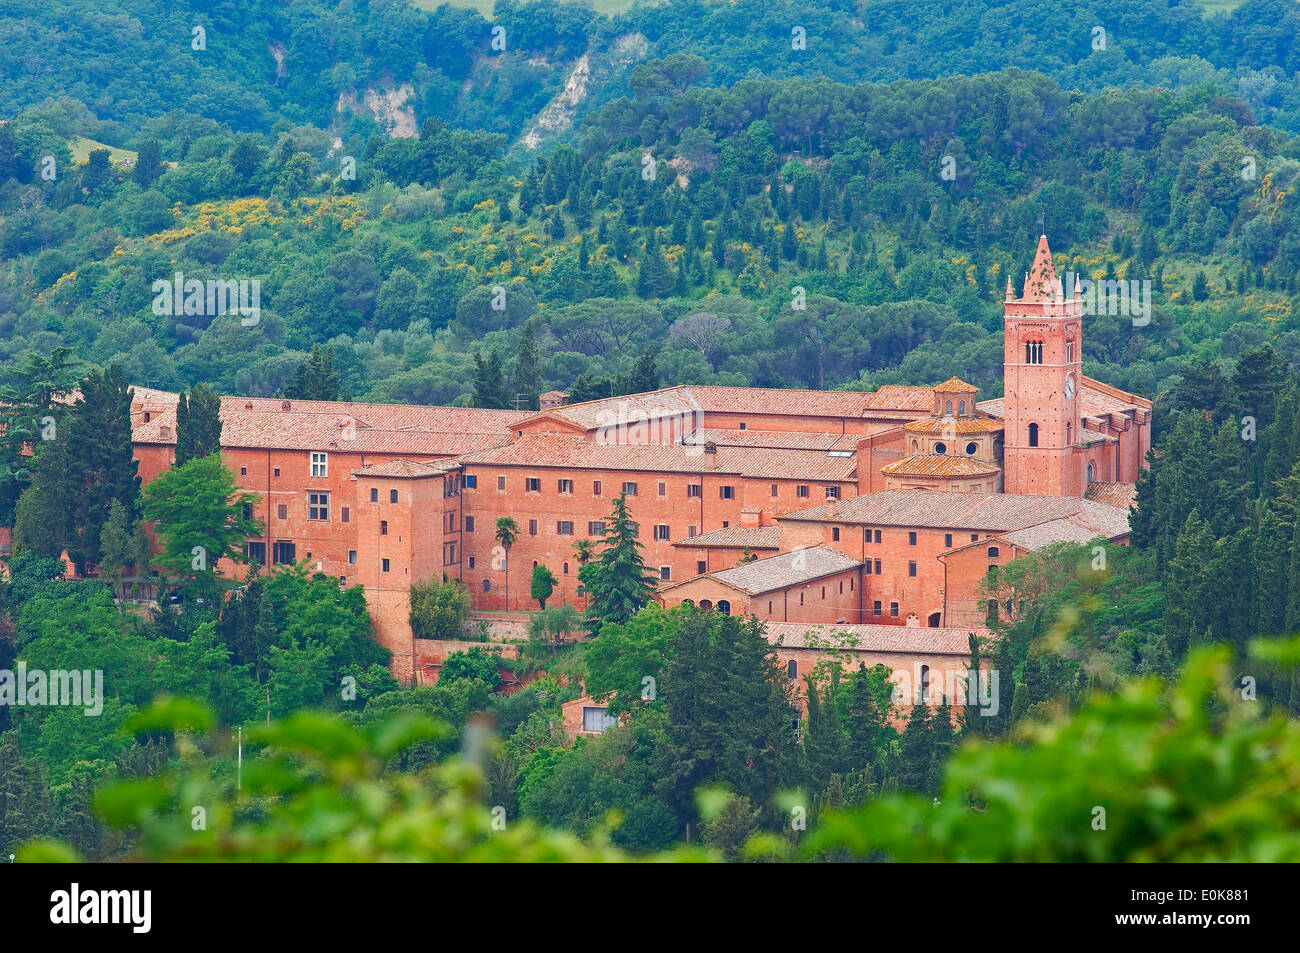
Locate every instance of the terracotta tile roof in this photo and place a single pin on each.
(1088, 437)
(1064, 530)
(875, 638)
(410, 469)
(955, 385)
(737, 537)
(554, 394)
(992, 512)
(1122, 495)
(940, 465)
(942, 425)
(785, 569)
(262, 422)
(901, 397)
(776, 439)
(577, 452)
(1107, 396)
(992, 407)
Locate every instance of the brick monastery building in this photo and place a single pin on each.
(864, 509)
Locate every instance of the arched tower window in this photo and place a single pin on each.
(1069, 352)
(1033, 435)
(961, 408)
(947, 408)
(1033, 352)
(1092, 473)
(925, 683)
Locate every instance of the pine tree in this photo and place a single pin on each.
(116, 546)
(198, 424)
(644, 376)
(1189, 585)
(617, 583)
(102, 461)
(316, 378)
(489, 382)
(528, 375)
(915, 751)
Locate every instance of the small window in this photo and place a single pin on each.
(994, 551)
(345, 514)
(727, 492)
(384, 565)
(866, 567)
(487, 585)
(970, 449)
(663, 489)
(383, 527)
(246, 510)
(501, 483)
(792, 668)
(774, 494)
(961, 408)
(875, 607)
(374, 494)
(911, 538)
(533, 485)
(256, 552)
(694, 490)
(319, 464)
(665, 573)
(742, 425)
(595, 488)
(281, 511)
(471, 562)
(318, 506)
(941, 447)
(471, 482)
(392, 496)
(947, 408)
(701, 568)
(692, 531)
(243, 471)
(629, 488)
(595, 528)
(832, 492)
(835, 534)
(877, 563)
(947, 540)
(801, 491)
(277, 471)
(823, 592)
(532, 527)
(352, 557)
(877, 536)
(284, 552)
(991, 611)
(564, 528)
(597, 719)
(564, 486)
(564, 569)
(974, 537)
(1033, 435)
(661, 531)
(469, 524)
(911, 569)
(893, 609)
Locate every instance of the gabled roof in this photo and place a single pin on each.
(991, 512)
(736, 537)
(573, 451)
(903, 639)
(407, 469)
(955, 385)
(1122, 495)
(784, 570)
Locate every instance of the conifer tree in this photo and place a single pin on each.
(198, 424)
(1189, 584)
(316, 378)
(825, 743)
(617, 583)
(528, 375)
(489, 382)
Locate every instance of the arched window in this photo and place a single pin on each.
(1033, 352)
(994, 551)
(487, 585)
(961, 408)
(1092, 473)
(947, 408)
(792, 668)
(1033, 435)
(925, 683)
(566, 569)
(915, 446)
(706, 604)
(1069, 352)
(724, 607)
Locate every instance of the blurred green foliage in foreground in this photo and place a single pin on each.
(1191, 771)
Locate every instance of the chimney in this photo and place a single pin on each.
(711, 455)
(285, 405)
(831, 509)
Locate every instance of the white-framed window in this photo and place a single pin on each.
(597, 718)
(318, 506)
(319, 463)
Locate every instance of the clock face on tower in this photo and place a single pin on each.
(1069, 388)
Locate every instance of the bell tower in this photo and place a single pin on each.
(1042, 372)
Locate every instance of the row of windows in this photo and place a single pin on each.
(1034, 352)
(873, 536)
(693, 490)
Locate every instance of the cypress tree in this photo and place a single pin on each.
(528, 375)
(198, 424)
